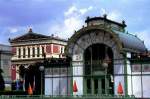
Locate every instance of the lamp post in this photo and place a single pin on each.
(41, 68)
(105, 65)
(26, 69)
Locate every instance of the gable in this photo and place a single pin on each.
(29, 36)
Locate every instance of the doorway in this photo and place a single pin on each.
(98, 78)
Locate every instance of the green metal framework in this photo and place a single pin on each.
(122, 63)
(66, 68)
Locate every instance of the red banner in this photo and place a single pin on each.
(48, 49)
(55, 49)
(13, 72)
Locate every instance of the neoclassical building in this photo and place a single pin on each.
(31, 47)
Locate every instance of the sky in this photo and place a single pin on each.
(63, 17)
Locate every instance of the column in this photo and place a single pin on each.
(21, 52)
(31, 51)
(77, 65)
(52, 50)
(40, 51)
(17, 52)
(35, 51)
(26, 51)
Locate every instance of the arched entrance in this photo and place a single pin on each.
(98, 69)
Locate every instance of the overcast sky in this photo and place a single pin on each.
(62, 17)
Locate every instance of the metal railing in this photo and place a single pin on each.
(61, 79)
(66, 97)
(137, 70)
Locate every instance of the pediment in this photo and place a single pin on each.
(29, 36)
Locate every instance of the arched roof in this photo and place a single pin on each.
(125, 41)
(85, 30)
(131, 42)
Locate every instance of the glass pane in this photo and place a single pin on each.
(137, 89)
(146, 87)
(56, 86)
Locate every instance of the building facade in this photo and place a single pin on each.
(31, 48)
(5, 63)
(101, 54)
(103, 57)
